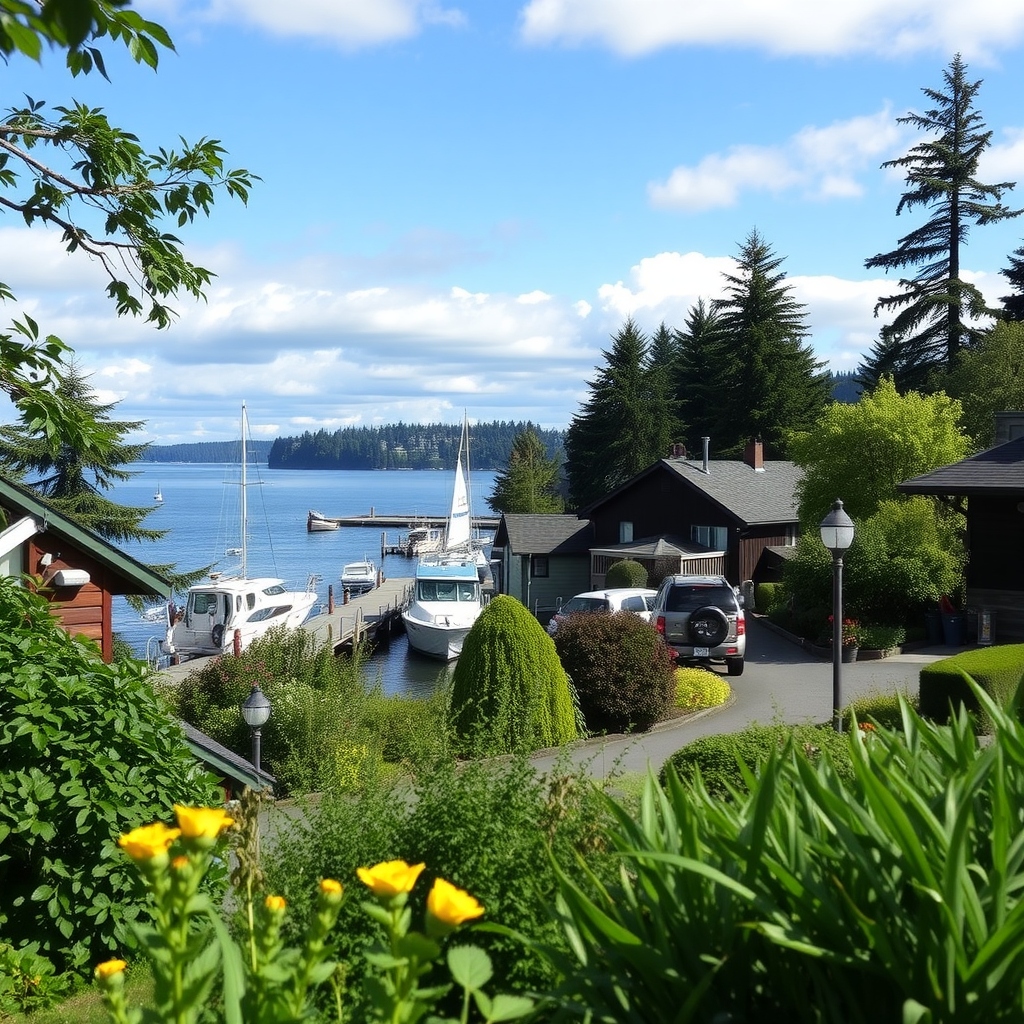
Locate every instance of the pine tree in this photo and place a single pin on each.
(529, 483)
(1013, 305)
(906, 363)
(699, 362)
(769, 381)
(937, 305)
(618, 432)
(662, 359)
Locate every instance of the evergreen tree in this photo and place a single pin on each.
(617, 434)
(1013, 305)
(700, 357)
(905, 362)
(529, 483)
(768, 381)
(937, 305)
(662, 358)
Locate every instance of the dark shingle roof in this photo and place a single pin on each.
(543, 534)
(998, 471)
(655, 547)
(766, 496)
(225, 760)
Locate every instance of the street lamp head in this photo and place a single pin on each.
(837, 529)
(256, 708)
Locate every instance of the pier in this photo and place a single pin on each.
(406, 522)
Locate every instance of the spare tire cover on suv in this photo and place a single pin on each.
(708, 626)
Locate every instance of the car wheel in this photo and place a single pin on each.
(734, 666)
(708, 626)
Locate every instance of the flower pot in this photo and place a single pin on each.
(849, 653)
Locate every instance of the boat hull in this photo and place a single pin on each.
(435, 641)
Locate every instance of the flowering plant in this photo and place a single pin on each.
(851, 632)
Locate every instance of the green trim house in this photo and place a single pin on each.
(78, 572)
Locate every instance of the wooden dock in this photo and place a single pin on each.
(408, 522)
(370, 615)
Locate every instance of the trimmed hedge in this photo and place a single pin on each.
(718, 758)
(625, 573)
(944, 684)
(697, 688)
(767, 596)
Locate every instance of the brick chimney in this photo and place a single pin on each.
(753, 454)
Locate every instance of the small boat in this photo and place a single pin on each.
(447, 599)
(159, 496)
(317, 522)
(359, 575)
(423, 540)
(446, 602)
(217, 611)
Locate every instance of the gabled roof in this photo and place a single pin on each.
(997, 471)
(543, 534)
(656, 547)
(140, 578)
(225, 760)
(752, 496)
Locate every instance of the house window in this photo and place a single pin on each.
(625, 533)
(538, 566)
(790, 536)
(714, 537)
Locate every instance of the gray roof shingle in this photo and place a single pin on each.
(753, 496)
(528, 534)
(997, 471)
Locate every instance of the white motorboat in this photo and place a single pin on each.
(317, 522)
(359, 575)
(226, 607)
(446, 602)
(446, 598)
(423, 540)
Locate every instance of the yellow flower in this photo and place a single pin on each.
(276, 903)
(331, 887)
(109, 968)
(202, 822)
(180, 862)
(390, 877)
(149, 841)
(449, 907)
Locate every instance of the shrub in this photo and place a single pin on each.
(323, 712)
(767, 596)
(697, 688)
(948, 683)
(816, 898)
(718, 758)
(87, 752)
(626, 573)
(622, 670)
(509, 691)
(885, 709)
(494, 829)
(882, 638)
(28, 981)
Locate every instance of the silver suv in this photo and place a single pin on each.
(700, 618)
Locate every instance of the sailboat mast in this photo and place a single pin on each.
(245, 506)
(469, 479)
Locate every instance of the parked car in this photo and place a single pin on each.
(701, 619)
(619, 599)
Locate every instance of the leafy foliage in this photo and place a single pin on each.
(28, 981)
(327, 728)
(626, 573)
(529, 483)
(87, 751)
(936, 306)
(861, 452)
(621, 668)
(697, 688)
(510, 694)
(890, 892)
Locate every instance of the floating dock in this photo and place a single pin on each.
(408, 522)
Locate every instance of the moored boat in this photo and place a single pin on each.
(423, 540)
(446, 602)
(317, 522)
(217, 611)
(359, 575)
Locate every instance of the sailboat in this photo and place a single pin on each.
(230, 607)
(446, 596)
(159, 496)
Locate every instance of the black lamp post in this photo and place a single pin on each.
(837, 536)
(256, 711)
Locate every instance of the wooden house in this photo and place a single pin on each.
(989, 489)
(78, 572)
(697, 516)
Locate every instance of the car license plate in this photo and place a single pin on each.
(702, 652)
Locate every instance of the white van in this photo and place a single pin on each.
(619, 599)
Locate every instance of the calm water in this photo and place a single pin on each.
(201, 512)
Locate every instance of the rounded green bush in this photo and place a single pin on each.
(509, 690)
(625, 573)
(716, 757)
(621, 668)
(767, 596)
(697, 688)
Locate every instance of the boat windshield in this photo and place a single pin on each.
(447, 590)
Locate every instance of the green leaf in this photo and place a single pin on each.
(470, 966)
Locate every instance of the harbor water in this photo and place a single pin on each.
(201, 512)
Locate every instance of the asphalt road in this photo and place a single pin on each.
(780, 683)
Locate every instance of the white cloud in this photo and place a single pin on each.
(819, 162)
(786, 27)
(347, 23)
(1004, 161)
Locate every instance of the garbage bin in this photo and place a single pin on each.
(986, 627)
(953, 630)
(933, 627)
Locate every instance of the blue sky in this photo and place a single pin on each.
(461, 203)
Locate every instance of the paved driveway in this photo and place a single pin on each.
(781, 682)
